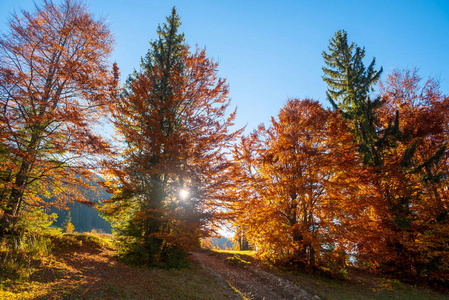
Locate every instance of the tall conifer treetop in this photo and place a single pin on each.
(349, 85)
(166, 50)
(349, 81)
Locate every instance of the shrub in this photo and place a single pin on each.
(70, 228)
(28, 245)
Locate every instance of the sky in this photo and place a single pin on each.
(271, 51)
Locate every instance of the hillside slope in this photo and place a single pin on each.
(248, 278)
(84, 266)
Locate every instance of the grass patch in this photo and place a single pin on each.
(123, 282)
(356, 285)
(82, 241)
(236, 260)
(359, 285)
(245, 252)
(19, 255)
(83, 266)
(237, 291)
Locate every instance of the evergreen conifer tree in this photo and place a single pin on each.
(172, 115)
(391, 152)
(163, 59)
(66, 222)
(349, 85)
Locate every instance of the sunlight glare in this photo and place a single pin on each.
(183, 193)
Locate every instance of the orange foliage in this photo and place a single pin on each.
(405, 236)
(53, 83)
(293, 186)
(414, 180)
(304, 194)
(172, 117)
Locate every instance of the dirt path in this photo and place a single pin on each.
(249, 280)
(86, 270)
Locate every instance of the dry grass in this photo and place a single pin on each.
(83, 266)
(358, 285)
(245, 252)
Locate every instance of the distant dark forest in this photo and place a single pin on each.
(83, 217)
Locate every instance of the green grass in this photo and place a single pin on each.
(368, 288)
(358, 285)
(190, 283)
(237, 260)
(236, 291)
(245, 252)
(19, 255)
(77, 240)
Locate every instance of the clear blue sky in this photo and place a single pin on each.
(271, 51)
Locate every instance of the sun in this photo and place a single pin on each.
(184, 193)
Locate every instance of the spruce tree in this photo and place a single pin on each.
(349, 86)
(391, 152)
(172, 115)
(162, 60)
(66, 222)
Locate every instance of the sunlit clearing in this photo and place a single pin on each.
(184, 194)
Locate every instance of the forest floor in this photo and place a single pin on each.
(252, 279)
(89, 270)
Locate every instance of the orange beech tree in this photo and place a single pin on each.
(419, 176)
(53, 79)
(402, 137)
(172, 117)
(290, 183)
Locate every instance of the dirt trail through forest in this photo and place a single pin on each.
(249, 280)
(90, 271)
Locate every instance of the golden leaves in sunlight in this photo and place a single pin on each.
(54, 82)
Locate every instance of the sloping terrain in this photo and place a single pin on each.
(84, 266)
(85, 269)
(248, 278)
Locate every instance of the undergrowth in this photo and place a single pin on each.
(30, 243)
(33, 240)
(19, 254)
(132, 251)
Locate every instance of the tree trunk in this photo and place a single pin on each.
(153, 219)
(11, 212)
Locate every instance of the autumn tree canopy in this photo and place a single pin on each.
(400, 136)
(283, 169)
(54, 81)
(367, 181)
(291, 183)
(172, 117)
